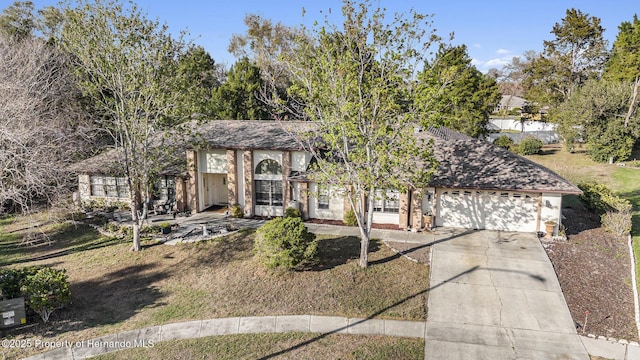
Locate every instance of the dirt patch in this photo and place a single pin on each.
(593, 268)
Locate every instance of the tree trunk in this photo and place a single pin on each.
(632, 105)
(136, 226)
(365, 229)
(364, 250)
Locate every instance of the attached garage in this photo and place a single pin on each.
(491, 210)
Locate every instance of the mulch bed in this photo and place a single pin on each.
(593, 268)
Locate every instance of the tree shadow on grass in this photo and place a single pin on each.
(55, 250)
(115, 297)
(110, 299)
(340, 250)
(223, 250)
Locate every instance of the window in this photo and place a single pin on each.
(389, 203)
(323, 197)
(165, 188)
(268, 167)
(108, 186)
(269, 192)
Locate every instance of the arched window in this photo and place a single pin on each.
(268, 167)
(268, 190)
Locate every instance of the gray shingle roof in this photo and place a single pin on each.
(250, 134)
(476, 164)
(464, 162)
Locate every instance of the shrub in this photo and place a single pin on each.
(46, 290)
(504, 142)
(237, 211)
(350, 218)
(617, 222)
(292, 212)
(285, 243)
(599, 198)
(529, 146)
(11, 280)
(615, 212)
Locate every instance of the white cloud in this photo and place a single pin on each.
(476, 62)
(500, 62)
(477, 46)
(503, 51)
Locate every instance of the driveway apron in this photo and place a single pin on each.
(495, 295)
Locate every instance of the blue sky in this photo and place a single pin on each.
(493, 30)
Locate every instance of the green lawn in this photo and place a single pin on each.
(281, 346)
(114, 289)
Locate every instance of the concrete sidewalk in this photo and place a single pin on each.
(229, 326)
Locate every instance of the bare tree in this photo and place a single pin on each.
(41, 129)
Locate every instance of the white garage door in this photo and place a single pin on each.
(507, 211)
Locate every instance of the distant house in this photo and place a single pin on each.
(259, 166)
(509, 103)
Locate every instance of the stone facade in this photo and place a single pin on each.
(181, 194)
(286, 186)
(232, 177)
(404, 211)
(304, 200)
(192, 181)
(247, 159)
(416, 210)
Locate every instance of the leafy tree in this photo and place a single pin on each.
(354, 84)
(238, 97)
(465, 98)
(595, 114)
(18, 21)
(21, 21)
(42, 129)
(577, 53)
(198, 76)
(263, 43)
(624, 61)
(128, 67)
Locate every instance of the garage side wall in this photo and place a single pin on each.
(551, 209)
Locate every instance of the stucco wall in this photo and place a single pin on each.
(213, 161)
(336, 204)
(551, 209)
(300, 160)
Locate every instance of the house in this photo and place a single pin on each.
(260, 166)
(510, 102)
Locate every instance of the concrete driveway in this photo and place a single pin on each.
(495, 295)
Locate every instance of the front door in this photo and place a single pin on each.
(221, 190)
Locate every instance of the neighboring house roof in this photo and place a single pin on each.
(469, 163)
(511, 101)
